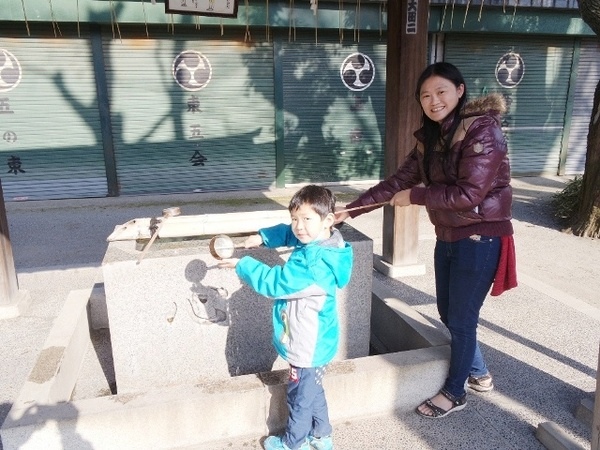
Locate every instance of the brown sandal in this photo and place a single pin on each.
(458, 403)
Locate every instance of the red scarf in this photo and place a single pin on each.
(506, 273)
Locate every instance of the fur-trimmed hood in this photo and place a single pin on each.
(492, 103)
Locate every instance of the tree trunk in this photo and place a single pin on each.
(590, 13)
(586, 221)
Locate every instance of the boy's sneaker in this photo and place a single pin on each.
(276, 443)
(481, 384)
(322, 443)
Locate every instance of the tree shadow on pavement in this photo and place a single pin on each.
(39, 416)
(532, 200)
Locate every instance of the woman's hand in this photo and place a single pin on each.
(401, 198)
(341, 216)
(254, 240)
(228, 263)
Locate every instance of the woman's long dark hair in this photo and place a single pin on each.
(432, 131)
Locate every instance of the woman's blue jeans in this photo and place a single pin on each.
(464, 272)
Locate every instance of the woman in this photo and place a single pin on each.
(459, 170)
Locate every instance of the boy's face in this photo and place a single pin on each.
(308, 226)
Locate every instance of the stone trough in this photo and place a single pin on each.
(177, 318)
(189, 342)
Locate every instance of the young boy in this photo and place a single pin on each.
(305, 321)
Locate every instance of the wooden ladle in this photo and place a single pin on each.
(168, 212)
(221, 246)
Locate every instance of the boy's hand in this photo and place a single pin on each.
(228, 263)
(254, 240)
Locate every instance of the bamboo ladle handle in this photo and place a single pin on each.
(168, 212)
(362, 207)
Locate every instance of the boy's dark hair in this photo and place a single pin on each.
(431, 129)
(320, 199)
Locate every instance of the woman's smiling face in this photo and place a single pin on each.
(439, 96)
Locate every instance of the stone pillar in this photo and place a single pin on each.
(12, 302)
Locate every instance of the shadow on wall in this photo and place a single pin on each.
(216, 306)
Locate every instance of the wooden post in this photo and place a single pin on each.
(12, 302)
(8, 276)
(596, 417)
(406, 59)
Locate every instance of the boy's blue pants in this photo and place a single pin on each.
(307, 406)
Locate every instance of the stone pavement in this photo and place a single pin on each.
(541, 339)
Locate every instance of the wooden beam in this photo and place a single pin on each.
(8, 275)
(13, 302)
(406, 59)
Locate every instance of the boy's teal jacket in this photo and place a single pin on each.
(305, 320)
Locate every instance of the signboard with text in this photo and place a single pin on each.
(219, 8)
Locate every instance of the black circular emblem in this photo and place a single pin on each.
(510, 70)
(357, 72)
(192, 70)
(10, 71)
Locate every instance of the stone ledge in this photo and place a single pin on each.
(53, 377)
(184, 415)
(391, 318)
(554, 438)
(585, 411)
(239, 406)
